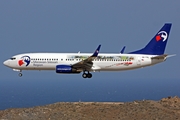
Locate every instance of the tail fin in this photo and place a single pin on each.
(157, 44)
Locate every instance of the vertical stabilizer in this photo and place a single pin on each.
(157, 44)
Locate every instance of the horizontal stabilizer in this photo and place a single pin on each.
(163, 56)
(160, 56)
(171, 55)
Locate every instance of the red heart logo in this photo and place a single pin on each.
(158, 38)
(20, 62)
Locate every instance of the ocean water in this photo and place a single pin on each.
(29, 93)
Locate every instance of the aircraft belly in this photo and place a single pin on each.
(117, 66)
(44, 67)
(37, 67)
(155, 61)
(146, 62)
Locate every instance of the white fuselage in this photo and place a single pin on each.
(104, 62)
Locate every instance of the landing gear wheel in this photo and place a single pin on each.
(20, 74)
(89, 75)
(84, 75)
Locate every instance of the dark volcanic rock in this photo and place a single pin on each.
(165, 109)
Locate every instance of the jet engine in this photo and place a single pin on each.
(66, 69)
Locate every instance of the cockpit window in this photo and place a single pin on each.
(13, 58)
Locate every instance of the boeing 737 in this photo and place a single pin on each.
(71, 63)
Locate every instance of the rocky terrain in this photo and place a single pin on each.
(165, 109)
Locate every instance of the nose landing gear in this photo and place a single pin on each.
(20, 74)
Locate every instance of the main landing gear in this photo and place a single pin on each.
(86, 75)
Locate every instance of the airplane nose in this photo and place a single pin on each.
(6, 63)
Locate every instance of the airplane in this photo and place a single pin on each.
(72, 63)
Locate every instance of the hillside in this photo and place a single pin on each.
(165, 109)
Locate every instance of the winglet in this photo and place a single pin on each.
(122, 51)
(95, 54)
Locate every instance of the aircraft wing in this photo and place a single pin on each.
(87, 63)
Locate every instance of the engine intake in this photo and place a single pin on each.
(65, 69)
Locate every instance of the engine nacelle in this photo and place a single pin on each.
(65, 69)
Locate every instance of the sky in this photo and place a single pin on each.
(81, 25)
